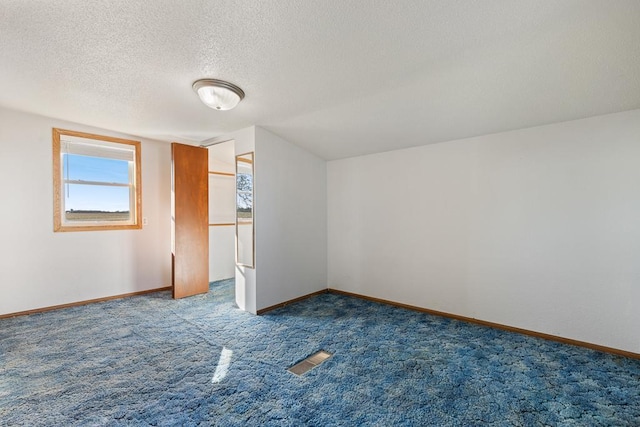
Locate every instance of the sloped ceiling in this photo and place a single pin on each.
(340, 78)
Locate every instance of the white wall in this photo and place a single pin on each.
(222, 210)
(244, 142)
(537, 228)
(40, 268)
(290, 220)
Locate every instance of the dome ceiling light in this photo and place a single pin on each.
(218, 94)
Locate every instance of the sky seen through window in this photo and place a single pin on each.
(95, 197)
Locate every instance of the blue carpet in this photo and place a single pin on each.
(151, 360)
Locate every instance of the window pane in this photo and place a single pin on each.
(244, 203)
(244, 196)
(245, 182)
(86, 168)
(96, 203)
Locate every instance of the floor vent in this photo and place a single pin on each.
(309, 363)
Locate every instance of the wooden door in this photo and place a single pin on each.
(189, 220)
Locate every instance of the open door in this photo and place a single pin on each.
(189, 220)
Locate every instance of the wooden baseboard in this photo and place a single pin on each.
(75, 304)
(549, 337)
(291, 301)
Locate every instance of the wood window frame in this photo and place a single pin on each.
(58, 224)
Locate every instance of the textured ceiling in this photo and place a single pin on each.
(340, 78)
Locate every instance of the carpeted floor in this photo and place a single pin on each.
(150, 360)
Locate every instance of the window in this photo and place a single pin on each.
(96, 182)
(244, 190)
(245, 233)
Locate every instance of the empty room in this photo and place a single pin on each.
(323, 213)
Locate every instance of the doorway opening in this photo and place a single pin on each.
(222, 211)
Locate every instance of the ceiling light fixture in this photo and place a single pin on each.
(218, 94)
